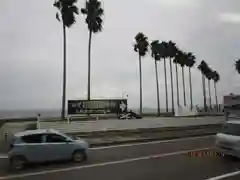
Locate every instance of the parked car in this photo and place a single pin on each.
(228, 140)
(44, 145)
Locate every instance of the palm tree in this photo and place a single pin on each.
(93, 12)
(202, 67)
(190, 61)
(237, 66)
(163, 53)
(155, 54)
(141, 46)
(176, 62)
(182, 56)
(67, 11)
(216, 79)
(171, 53)
(209, 77)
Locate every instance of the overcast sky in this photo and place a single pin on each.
(31, 50)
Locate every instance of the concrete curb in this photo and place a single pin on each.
(145, 140)
(144, 131)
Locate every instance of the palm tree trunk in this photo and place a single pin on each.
(166, 89)
(209, 92)
(204, 93)
(215, 88)
(173, 110)
(64, 73)
(157, 83)
(190, 85)
(177, 84)
(184, 93)
(89, 66)
(140, 79)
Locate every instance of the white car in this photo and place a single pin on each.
(228, 140)
(43, 145)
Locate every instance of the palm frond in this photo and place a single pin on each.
(93, 12)
(84, 11)
(57, 17)
(68, 10)
(74, 9)
(237, 66)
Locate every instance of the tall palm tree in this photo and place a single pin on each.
(202, 67)
(216, 79)
(155, 54)
(190, 61)
(171, 53)
(163, 53)
(237, 65)
(209, 77)
(176, 62)
(67, 11)
(182, 62)
(141, 46)
(93, 12)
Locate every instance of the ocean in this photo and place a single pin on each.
(11, 114)
(46, 113)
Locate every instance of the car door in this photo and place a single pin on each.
(59, 147)
(34, 149)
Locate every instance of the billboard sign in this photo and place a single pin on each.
(97, 106)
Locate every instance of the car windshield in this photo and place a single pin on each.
(232, 129)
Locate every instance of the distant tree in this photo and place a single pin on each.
(176, 61)
(209, 76)
(171, 53)
(190, 61)
(216, 79)
(182, 58)
(156, 56)
(94, 13)
(141, 47)
(237, 66)
(163, 48)
(67, 11)
(203, 69)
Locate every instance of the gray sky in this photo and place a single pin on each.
(31, 50)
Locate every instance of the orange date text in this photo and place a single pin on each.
(208, 153)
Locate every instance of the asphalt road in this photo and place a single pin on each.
(170, 160)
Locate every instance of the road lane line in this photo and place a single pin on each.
(151, 142)
(100, 164)
(3, 156)
(225, 175)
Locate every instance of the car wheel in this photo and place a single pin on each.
(79, 156)
(18, 162)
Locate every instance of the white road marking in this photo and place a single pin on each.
(100, 164)
(3, 156)
(151, 142)
(225, 175)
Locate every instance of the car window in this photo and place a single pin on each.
(34, 138)
(52, 138)
(232, 129)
